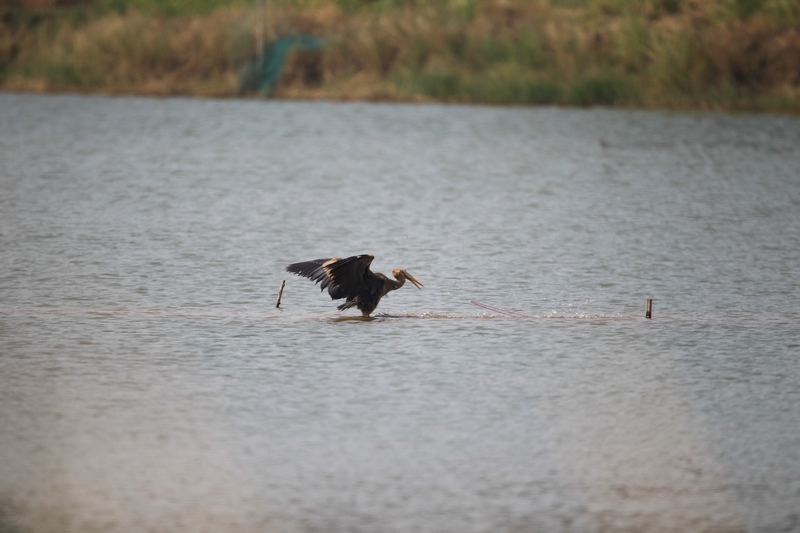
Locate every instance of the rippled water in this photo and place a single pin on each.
(147, 382)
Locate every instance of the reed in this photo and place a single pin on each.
(741, 54)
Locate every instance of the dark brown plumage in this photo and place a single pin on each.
(352, 279)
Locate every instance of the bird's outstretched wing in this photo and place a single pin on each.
(348, 275)
(313, 270)
(343, 276)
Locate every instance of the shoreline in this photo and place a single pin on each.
(323, 99)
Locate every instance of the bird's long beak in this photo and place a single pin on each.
(413, 280)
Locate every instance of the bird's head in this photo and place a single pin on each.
(397, 272)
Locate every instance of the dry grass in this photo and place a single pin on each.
(742, 54)
(133, 53)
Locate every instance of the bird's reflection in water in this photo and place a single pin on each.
(355, 318)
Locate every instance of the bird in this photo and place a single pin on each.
(352, 279)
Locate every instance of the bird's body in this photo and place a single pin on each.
(352, 279)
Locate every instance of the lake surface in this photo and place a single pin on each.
(148, 383)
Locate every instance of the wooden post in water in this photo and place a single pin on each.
(648, 310)
(280, 293)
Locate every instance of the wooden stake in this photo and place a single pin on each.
(280, 293)
(648, 310)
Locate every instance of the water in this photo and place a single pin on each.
(147, 383)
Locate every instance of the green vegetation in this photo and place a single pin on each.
(730, 54)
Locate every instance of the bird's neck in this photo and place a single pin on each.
(400, 280)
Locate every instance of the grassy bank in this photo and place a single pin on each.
(729, 54)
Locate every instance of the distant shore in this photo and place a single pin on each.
(681, 54)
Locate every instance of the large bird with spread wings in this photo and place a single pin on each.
(352, 279)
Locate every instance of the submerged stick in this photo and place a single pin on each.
(648, 310)
(280, 293)
(499, 310)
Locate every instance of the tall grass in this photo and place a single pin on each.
(669, 53)
(131, 52)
